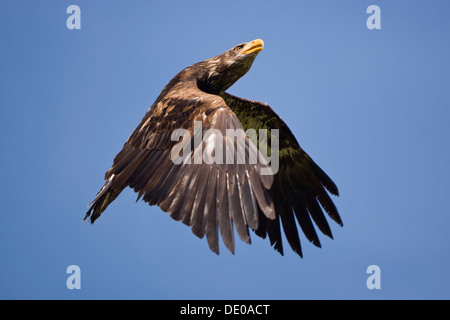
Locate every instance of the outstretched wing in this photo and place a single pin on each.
(299, 186)
(170, 163)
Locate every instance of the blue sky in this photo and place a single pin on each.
(371, 107)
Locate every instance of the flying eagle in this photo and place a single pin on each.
(210, 196)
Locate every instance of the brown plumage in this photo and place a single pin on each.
(213, 197)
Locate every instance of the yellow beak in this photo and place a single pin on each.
(253, 46)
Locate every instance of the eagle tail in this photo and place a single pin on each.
(105, 196)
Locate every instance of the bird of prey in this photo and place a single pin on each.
(214, 197)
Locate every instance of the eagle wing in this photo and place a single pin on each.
(299, 187)
(206, 195)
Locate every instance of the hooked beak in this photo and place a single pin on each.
(254, 46)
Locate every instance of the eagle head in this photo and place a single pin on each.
(222, 71)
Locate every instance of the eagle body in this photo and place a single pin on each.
(216, 197)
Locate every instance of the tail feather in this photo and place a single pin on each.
(105, 196)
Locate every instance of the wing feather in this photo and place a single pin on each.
(234, 205)
(223, 213)
(248, 201)
(210, 215)
(198, 205)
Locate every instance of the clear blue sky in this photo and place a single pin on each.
(371, 107)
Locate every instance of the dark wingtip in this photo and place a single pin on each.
(88, 214)
(278, 246)
(316, 243)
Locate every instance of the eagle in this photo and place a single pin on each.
(220, 198)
